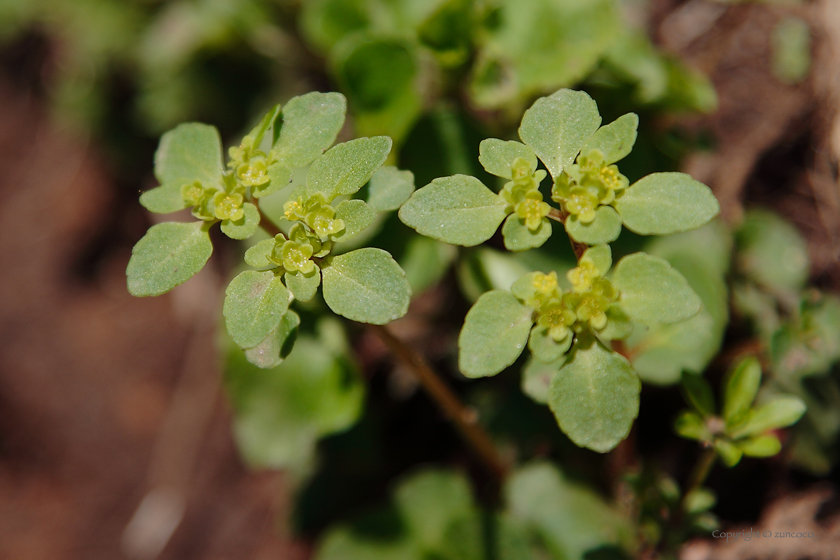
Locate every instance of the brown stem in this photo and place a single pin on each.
(265, 223)
(464, 418)
(560, 216)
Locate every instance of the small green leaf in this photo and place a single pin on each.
(537, 376)
(665, 203)
(652, 291)
(258, 132)
(255, 303)
(257, 256)
(366, 285)
(761, 446)
(728, 452)
(346, 167)
(168, 255)
(303, 287)
(558, 126)
(595, 396)
(519, 238)
(778, 413)
(357, 216)
(273, 350)
(310, 124)
(698, 393)
(246, 226)
(494, 334)
(699, 500)
(279, 176)
(544, 348)
(600, 256)
(189, 152)
(616, 139)
(430, 501)
(164, 199)
(457, 209)
(497, 156)
(389, 188)
(691, 426)
(740, 389)
(772, 252)
(605, 228)
(619, 325)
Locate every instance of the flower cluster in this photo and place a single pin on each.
(523, 194)
(211, 204)
(590, 182)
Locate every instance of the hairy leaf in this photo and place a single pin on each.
(303, 287)
(357, 216)
(164, 199)
(310, 124)
(168, 255)
(346, 167)
(519, 238)
(255, 302)
(276, 346)
(190, 152)
(605, 228)
(390, 188)
(616, 139)
(246, 226)
(497, 156)
(652, 291)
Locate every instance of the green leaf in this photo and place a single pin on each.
(357, 216)
(616, 139)
(740, 388)
(698, 393)
(600, 256)
(652, 291)
(728, 452)
(342, 543)
(279, 175)
(497, 156)
(366, 285)
(303, 287)
(190, 152)
(257, 256)
(537, 376)
(310, 124)
(778, 413)
(346, 167)
(389, 188)
(246, 226)
(791, 50)
(605, 228)
(255, 302)
(430, 501)
(691, 426)
(699, 500)
(568, 517)
(494, 334)
(457, 209)
(595, 396)
(276, 346)
(619, 325)
(544, 348)
(280, 413)
(168, 255)
(772, 252)
(519, 238)
(761, 446)
(664, 203)
(558, 126)
(269, 120)
(164, 199)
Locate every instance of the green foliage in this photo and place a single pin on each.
(742, 428)
(791, 50)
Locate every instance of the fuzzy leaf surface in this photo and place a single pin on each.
(346, 167)
(457, 209)
(652, 291)
(357, 216)
(605, 228)
(519, 238)
(497, 156)
(276, 346)
(310, 124)
(665, 203)
(494, 334)
(595, 396)
(390, 188)
(558, 126)
(366, 285)
(164, 199)
(246, 226)
(303, 287)
(616, 139)
(190, 152)
(255, 302)
(168, 255)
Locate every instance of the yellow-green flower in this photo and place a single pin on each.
(324, 223)
(581, 203)
(296, 256)
(532, 209)
(228, 206)
(252, 172)
(583, 276)
(557, 319)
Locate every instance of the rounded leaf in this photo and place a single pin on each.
(303, 287)
(497, 156)
(257, 256)
(558, 126)
(389, 188)
(519, 238)
(537, 376)
(190, 152)
(616, 139)
(544, 348)
(357, 217)
(761, 446)
(168, 255)
(494, 334)
(595, 396)
(346, 167)
(276, 346)
(255, 303)
(163, 199)
(691, 426)
(665, 203)
(366, 285)
(605, 228)
(652, 291)
(310, 124)
(457, 209)
(246, 226)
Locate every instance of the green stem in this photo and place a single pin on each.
(701, 471)
(465, 419)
